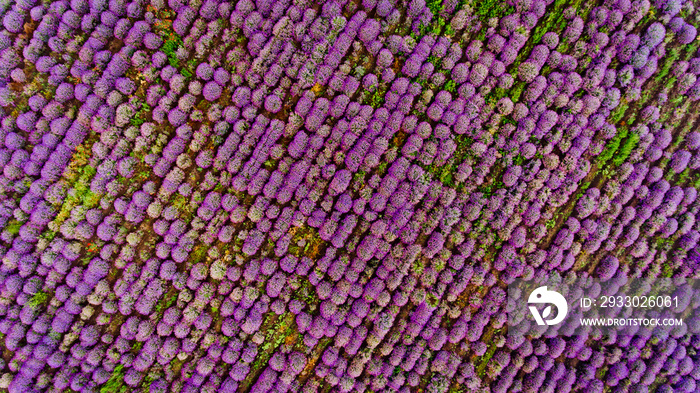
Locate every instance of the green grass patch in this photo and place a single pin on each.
(274, 337)
(376, 100)
(646, 20)
(417, 267)
(166, 302)
(551, 22)
(435, 6)
(484, 361)
(616, 144)
(435, 27)
(13, 227)
(677, 101)
(359, 177)
(626, 148)
(516, 91)
(492, 9)
(116, 382)
(199, 254)
(490, 188)
(671, 58)
(580, 191)
(38, 299)
(48, 235)
(496, 94)
(437, 24)
(188, 70)
(82, 195)
(444, 173)
(306, 292)
(435, 61)
(618, 113)
(666, 270)
(669, 83)
(140, 116)
(172, 43)
(691, 50)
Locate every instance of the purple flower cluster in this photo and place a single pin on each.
(281, 196)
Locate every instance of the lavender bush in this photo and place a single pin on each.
(260, 196)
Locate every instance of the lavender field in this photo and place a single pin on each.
(333, 196)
